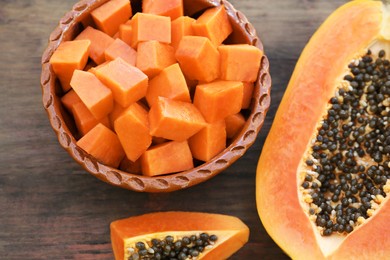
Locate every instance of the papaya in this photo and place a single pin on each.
(323, 176)
(177, 235)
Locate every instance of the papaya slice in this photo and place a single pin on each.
(191, 234)
(323, 175)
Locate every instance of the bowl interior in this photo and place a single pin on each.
(63, 124)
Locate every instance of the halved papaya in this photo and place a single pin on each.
(323, 178)
(178, 235)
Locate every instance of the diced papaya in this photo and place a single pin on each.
(110, 15)
(103, 144)
(70, 99)
(69, 56)
(126, 32)
(148, 27)
(131, 167)
(171, 8)
(248, 93)
(240, 62)
(219, 99)
(154, 56)
(169, 83)
(166, 158)
(128, 83)
(94, 94)
(209, 141)
(180, 27)
(132, 128)
(84, 119)
(99, 43)
(174, 120)
(213, 24)
(234, 124)
(198, 58)
(120, 49)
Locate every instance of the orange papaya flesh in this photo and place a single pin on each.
(69, 56)
(222, 235)
(176, 156)
(134, 58)
(326, 78)
(171, 8)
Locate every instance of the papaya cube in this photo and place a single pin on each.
(94, 94)
(166, 158)
(174, 120)
(69, 56)
(171, 8)
(99, 43)
(240, 62)
(132, 127)
(103, 144)
(120, 49)
(126, 32)
(209, 141)
(110, 15)
(234, 124)
(180, 27)
(198, 58)
(170, 83)
(70, 99)
(248, 93)
(218, 99)
(84, 119)
(148, 27)
(128, 83)
(154, 56)
(213, 24)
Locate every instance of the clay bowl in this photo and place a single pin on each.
(63, 125)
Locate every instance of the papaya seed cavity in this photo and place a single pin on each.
(169, 247)
(347, 173)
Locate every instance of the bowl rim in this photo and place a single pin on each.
(165, 183)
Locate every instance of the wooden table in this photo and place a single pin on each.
(52, 208)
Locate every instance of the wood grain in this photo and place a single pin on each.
(51, 208)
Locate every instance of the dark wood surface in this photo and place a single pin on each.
(50, 208)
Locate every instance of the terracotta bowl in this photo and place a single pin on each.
(63, 125)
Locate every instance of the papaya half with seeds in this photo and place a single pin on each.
(178, 235)
(323, 178)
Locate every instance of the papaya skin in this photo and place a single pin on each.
(345, 35)
(171, 221)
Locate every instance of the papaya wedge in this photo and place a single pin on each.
(322, 181)
(178, 235)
